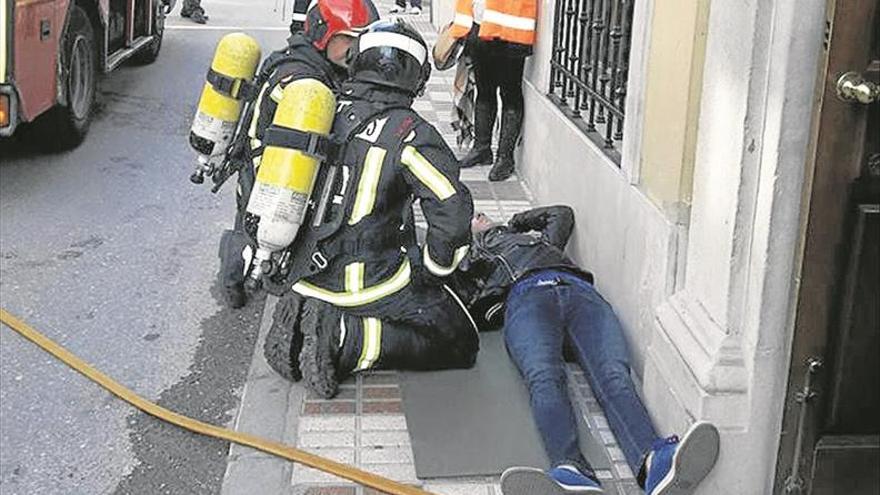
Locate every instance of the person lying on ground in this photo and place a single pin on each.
(519, 271)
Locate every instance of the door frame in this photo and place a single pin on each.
(832, 166)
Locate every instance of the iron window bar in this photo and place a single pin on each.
(589, 67)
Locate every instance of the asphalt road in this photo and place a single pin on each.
(112, 252)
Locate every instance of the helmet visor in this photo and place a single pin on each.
(389, 41)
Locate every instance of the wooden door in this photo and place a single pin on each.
(830, 442)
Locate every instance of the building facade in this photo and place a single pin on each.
(679, 131)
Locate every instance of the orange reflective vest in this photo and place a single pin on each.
(508, 20)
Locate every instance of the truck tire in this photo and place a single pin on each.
(148, 54)
(284, 340)
(70, 122)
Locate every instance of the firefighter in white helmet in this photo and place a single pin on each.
(375, 298)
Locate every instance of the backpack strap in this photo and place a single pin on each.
(315, 247)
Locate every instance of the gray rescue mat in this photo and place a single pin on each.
(478, 422)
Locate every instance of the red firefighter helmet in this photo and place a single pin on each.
(327, 18)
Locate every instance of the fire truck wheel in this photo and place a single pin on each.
(71, 121)
(150, 53)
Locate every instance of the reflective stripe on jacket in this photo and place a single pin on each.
(508, 20)
(395, 158)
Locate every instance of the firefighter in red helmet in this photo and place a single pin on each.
(317, 52)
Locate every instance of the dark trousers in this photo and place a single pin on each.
(494, 71)
(423, 328)
(233, 242)
(547, 311)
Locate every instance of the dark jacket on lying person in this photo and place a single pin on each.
(532, 240)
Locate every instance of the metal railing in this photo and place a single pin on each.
(589, 67)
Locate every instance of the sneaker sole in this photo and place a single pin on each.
(533, 481)
(692, 461)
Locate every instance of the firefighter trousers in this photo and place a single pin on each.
(421, 327)
(234, 242)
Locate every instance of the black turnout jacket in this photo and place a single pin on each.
(389, 157)
(533, 240)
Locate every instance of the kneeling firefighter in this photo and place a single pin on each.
(319, 53)
(374, 297)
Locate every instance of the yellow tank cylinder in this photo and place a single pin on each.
(234, 66)
(286, 176)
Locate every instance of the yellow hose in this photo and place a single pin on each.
(341, 470)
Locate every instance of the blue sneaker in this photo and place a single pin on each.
(676, 467)
(562, 480)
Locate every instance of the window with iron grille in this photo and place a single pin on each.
(591, 46)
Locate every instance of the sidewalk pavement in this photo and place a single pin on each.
(365, 426)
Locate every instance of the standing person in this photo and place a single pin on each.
(192, 10)
(400, 7)
(500, 35)
(551, 303)
(319, 52)
(380, 300)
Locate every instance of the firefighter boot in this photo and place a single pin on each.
(232, 266)
(284, 340)
(320, 325)
(481, 153)
(511, 123)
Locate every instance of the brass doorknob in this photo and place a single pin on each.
(853, 88)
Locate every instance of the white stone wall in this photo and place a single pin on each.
(707, 304)
(619, 235)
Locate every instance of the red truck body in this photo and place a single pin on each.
(32, 45)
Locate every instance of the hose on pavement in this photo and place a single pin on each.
(278, 449)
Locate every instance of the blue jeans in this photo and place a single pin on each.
(547, 310)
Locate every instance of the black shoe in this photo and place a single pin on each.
(477, 156)
(196, 15)
(320, 349)
(511, 123)
(284, 341)
(503, 168)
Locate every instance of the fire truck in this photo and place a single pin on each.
(52, 51)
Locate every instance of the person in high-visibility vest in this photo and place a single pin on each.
(500, 35)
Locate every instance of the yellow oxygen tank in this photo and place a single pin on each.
(289, 166)
(228, 81)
